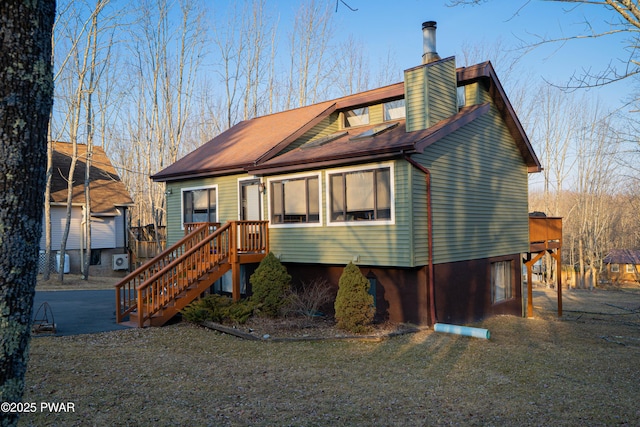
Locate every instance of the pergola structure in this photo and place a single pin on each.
(545, 236)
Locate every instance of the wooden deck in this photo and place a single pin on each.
(545, 236)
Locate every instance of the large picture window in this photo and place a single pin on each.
(199, 205)
(501, 283)
(362, 195)
(295, 200)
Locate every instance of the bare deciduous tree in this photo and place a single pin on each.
(166, 59)
(619, 17)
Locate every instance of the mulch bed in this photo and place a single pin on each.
(308, 329)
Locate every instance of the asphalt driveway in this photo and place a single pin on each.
(79, 312)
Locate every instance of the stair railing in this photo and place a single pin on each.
(126, 289)
(152, 286)
(174, 279)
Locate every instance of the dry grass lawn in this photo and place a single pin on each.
(582, 369)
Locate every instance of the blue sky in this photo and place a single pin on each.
(383, 25)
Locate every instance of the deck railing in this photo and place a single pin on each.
(154, 285)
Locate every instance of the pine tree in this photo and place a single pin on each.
(354, 306)
(271, 285)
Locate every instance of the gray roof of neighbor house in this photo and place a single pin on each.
(623, 256)
(254, 145)
(107, 190)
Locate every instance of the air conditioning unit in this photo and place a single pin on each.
(121, 262)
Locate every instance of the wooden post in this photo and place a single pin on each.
(235, 274)
(529, 290)
(558, 257)
(234, 259)
(140, 305)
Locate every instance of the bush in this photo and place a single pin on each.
(271, 286)
(311, 297)
(218, 308)
(354, 306)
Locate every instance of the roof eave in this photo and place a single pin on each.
(199, 174)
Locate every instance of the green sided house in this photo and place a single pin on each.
(423, 184)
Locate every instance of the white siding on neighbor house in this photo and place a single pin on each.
(104, 230)
(58, 220)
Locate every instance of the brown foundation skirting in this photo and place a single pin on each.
(462, 290)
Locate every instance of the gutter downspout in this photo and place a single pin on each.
(427, 172)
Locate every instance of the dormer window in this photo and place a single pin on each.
(394, 110)
(462, 97)
(356, 117)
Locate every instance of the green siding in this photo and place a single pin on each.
(475, 94)
(376, 114)
(430, 94)
(326, 127)
(479, 194)
(374, 245)
(227, 201)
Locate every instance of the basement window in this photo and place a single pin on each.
(356, 117)
(501, 283)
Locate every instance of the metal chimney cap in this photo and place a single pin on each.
(429, 24)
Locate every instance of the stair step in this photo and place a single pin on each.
(192, 287)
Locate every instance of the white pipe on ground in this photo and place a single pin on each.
(466, 331)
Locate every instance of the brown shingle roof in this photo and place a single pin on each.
(261, 138)
(389, 143)
(241, 145)
(107, 191)
(254, 145)
(623, 256)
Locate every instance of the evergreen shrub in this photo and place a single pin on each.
(218, 308)
(271, 286)
(354, 306)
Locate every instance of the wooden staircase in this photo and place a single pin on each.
(156, 291)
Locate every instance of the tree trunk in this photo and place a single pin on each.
(581, 264)
(26, 93)
(47, 209)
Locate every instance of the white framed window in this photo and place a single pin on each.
(631, 268)
(356, 117)
(361, 196)
(294, 201)
(615, 268)
(501, 283)
(199, 204)
(394, 110)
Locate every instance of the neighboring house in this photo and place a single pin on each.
(108, 217)
(423, 184)
(622, 264)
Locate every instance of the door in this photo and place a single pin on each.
(250, 200)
